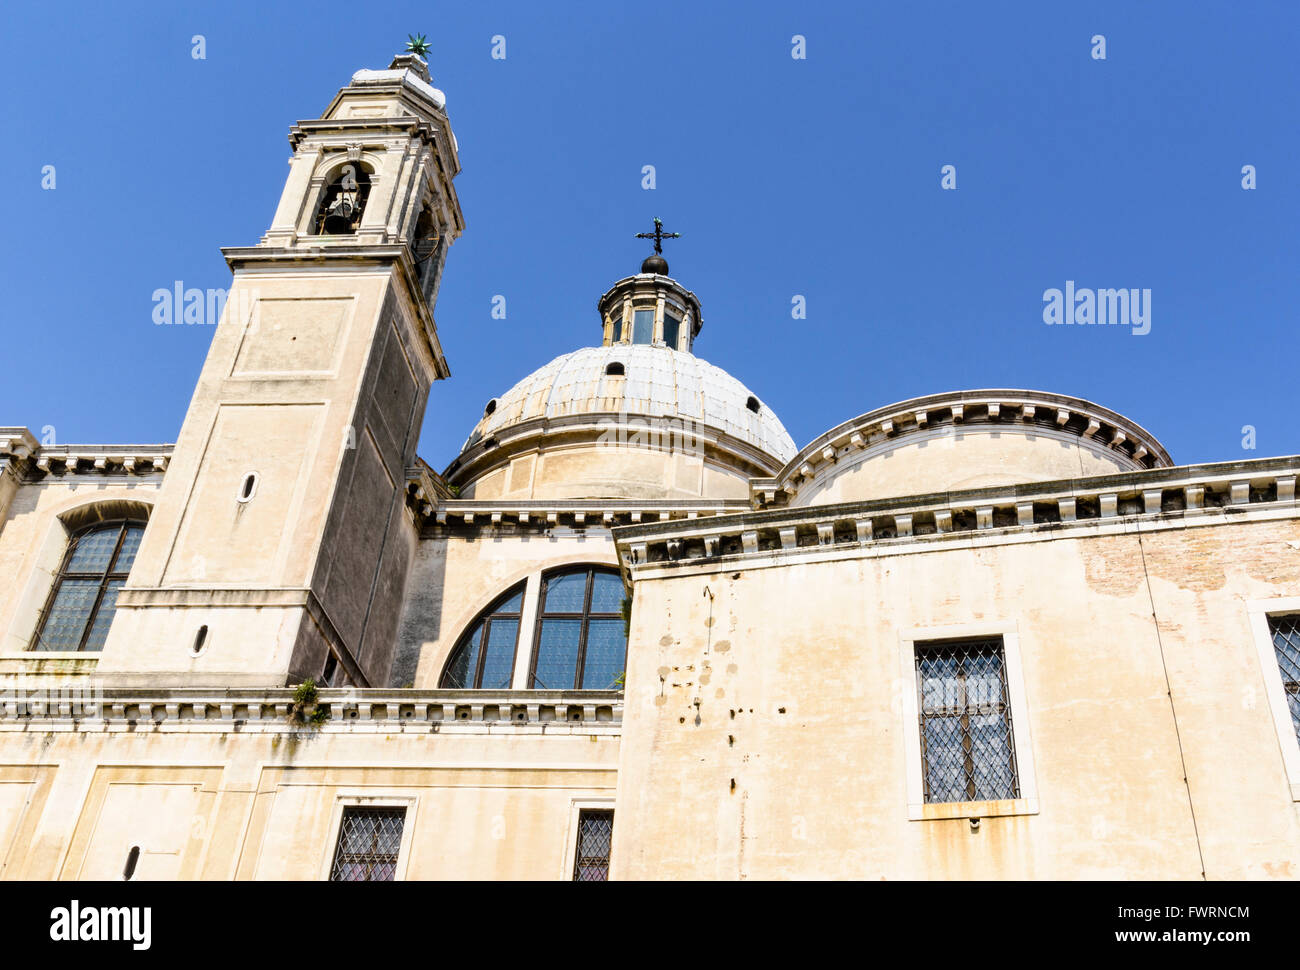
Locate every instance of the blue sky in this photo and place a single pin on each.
(818, 177)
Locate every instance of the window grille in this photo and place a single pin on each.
(84, 596)
(967, 746)
(581, 639)
(595, 834)
(1286, 644)
(369, 841)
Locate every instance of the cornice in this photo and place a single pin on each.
(436, 515)
(1167, 496)
(34, 461)
(405, 124)
(87, 708)
(320, 252)
(17, 442)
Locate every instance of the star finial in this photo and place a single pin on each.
(416, 44)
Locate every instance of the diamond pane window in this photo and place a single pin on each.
(595, 834)
(606, 652)
(566, 592)
(581, 643)
(484, 659)
(1286, 644)
(369, 841)
(966, 740)
(83, 599)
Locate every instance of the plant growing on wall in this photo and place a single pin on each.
(626, 609)
(305, 710)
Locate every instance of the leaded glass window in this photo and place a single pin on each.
(595, 835)
(966, 741)
(581, 643)
(1286, 644)
(370, 839)
(485, 656)
(84, 597)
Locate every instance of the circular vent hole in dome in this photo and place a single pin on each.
(490, 407)
(614, 368)
(752, 404)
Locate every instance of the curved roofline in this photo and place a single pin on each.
(1004, 407)
(721, 397)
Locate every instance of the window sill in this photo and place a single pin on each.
(91, 656)
(67, 663)
(994, 809)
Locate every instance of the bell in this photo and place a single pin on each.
(338, 220)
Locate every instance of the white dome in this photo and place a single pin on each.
(657, 382)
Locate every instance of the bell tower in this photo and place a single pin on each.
(280, 542)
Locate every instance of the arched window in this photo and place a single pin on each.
(84, 597)
(581, 643)
(344, 202)
(485, 656)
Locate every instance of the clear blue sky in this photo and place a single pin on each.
(818, 177)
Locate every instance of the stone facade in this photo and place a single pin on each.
(769, 715)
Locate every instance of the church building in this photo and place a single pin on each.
(633, 630)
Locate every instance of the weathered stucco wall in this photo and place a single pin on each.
(765, 741)
(482, 803)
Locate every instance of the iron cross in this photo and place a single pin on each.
(659, 236)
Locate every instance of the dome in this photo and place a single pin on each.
(641, 381)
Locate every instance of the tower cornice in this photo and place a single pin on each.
(323, 254)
